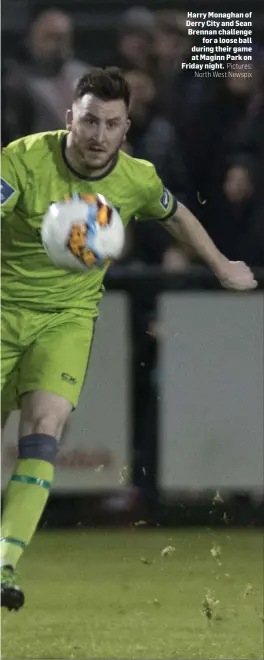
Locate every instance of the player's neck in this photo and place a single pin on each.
(71, 157)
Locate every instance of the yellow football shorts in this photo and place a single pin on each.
(46, 351)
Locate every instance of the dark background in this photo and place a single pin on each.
(206, 139)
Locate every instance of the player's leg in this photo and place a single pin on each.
(10, 357)
(42, 419)
(51, 376)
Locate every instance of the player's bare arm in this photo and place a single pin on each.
(185, 227)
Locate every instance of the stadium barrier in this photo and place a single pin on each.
(185, 425)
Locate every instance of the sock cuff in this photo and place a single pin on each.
(38, 446)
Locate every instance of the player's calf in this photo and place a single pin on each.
(26, 494)
(29, 486)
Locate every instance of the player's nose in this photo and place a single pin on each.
(100, 133)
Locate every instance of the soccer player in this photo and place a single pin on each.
(48, 314)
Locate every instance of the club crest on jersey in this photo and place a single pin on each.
(6, 191)
(165, 198)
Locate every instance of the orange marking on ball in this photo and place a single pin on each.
(77, 239)
(89, 198)
(102, 215)
(88, 257)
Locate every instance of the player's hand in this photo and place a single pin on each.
(236, 275)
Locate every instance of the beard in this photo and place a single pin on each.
(96, 160)
(89, 159)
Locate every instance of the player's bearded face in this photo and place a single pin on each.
(97, 131)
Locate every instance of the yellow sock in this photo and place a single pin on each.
(24, 502)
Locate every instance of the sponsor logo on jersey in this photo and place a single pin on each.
(165, 199)
(6, 191)
(68, 378)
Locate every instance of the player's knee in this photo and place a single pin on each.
(47, 423)
(43, 413)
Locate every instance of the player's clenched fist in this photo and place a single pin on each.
(236, 275)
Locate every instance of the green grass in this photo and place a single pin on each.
(112, 594)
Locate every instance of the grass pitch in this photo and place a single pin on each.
(139, 594)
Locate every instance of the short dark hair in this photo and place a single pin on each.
(106, 84)
(41, 8)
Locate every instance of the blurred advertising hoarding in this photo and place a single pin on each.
(211, 391)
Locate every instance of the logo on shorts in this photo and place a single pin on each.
(6, 191)
(68, 378)
(165, 199)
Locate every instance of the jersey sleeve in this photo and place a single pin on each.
(159, 203)
(13, 180)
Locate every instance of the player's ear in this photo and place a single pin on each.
(68, 119)
(128, 124)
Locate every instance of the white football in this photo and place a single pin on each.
(81, 234)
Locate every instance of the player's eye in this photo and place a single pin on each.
(90, 121)
(112, 124)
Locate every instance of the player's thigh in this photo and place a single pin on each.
(57, 360)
